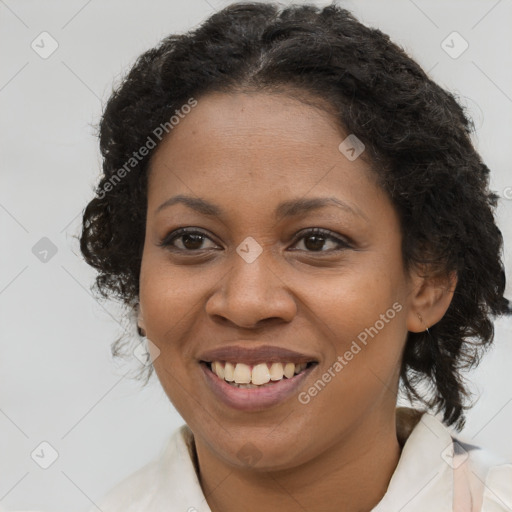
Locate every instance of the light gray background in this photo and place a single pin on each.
(57, 380)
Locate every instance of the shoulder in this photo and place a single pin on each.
(482, 479)
(439, 470)
(498, 489)
(487, 475)
(170, 478)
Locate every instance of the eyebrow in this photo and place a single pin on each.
(289, 208)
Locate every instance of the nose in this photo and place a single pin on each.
(252, 294)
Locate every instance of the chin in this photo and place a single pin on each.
(257, 450)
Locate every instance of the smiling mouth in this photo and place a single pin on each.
(241, 375)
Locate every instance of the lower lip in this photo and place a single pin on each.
(254, 399)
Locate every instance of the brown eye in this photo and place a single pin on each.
(188, 240)
(315, 239)
(314, 242)
(191, 241)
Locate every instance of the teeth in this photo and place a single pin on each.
(244, 386)
(289, 370)
(218, 369)
(241, 375)
(229, 371)
(276, 371)
(300, 367)
(260, 374)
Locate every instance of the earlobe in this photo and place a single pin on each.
(141, 326)
(430, 300)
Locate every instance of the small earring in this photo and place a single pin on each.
(421, 320)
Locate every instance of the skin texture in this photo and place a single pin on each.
(247, 152)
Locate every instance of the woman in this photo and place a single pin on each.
(297, 219)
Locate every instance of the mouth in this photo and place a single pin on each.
(254, 379)
(264, 374)
(251, 397)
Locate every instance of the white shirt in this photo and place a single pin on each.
(428, 477)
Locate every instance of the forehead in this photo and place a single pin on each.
(238, 120)
(256, 144)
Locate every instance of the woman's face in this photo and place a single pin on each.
(250, 284)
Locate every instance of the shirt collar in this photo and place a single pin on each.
(422, 481)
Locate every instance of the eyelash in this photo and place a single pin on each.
(169, 239)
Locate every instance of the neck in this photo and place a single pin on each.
(353, 474)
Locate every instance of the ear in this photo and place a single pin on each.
(429, 300)
(141, 325)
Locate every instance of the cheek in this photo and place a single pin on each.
(365, 344)
(362, 316)
(166, 296)
(358, 298)
(169, 302)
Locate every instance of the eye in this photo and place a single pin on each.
(315, 239)
(190, 240)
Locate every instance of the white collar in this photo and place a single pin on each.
(422, 482)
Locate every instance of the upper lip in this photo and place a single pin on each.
(255, 355)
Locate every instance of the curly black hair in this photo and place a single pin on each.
(417, 138)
